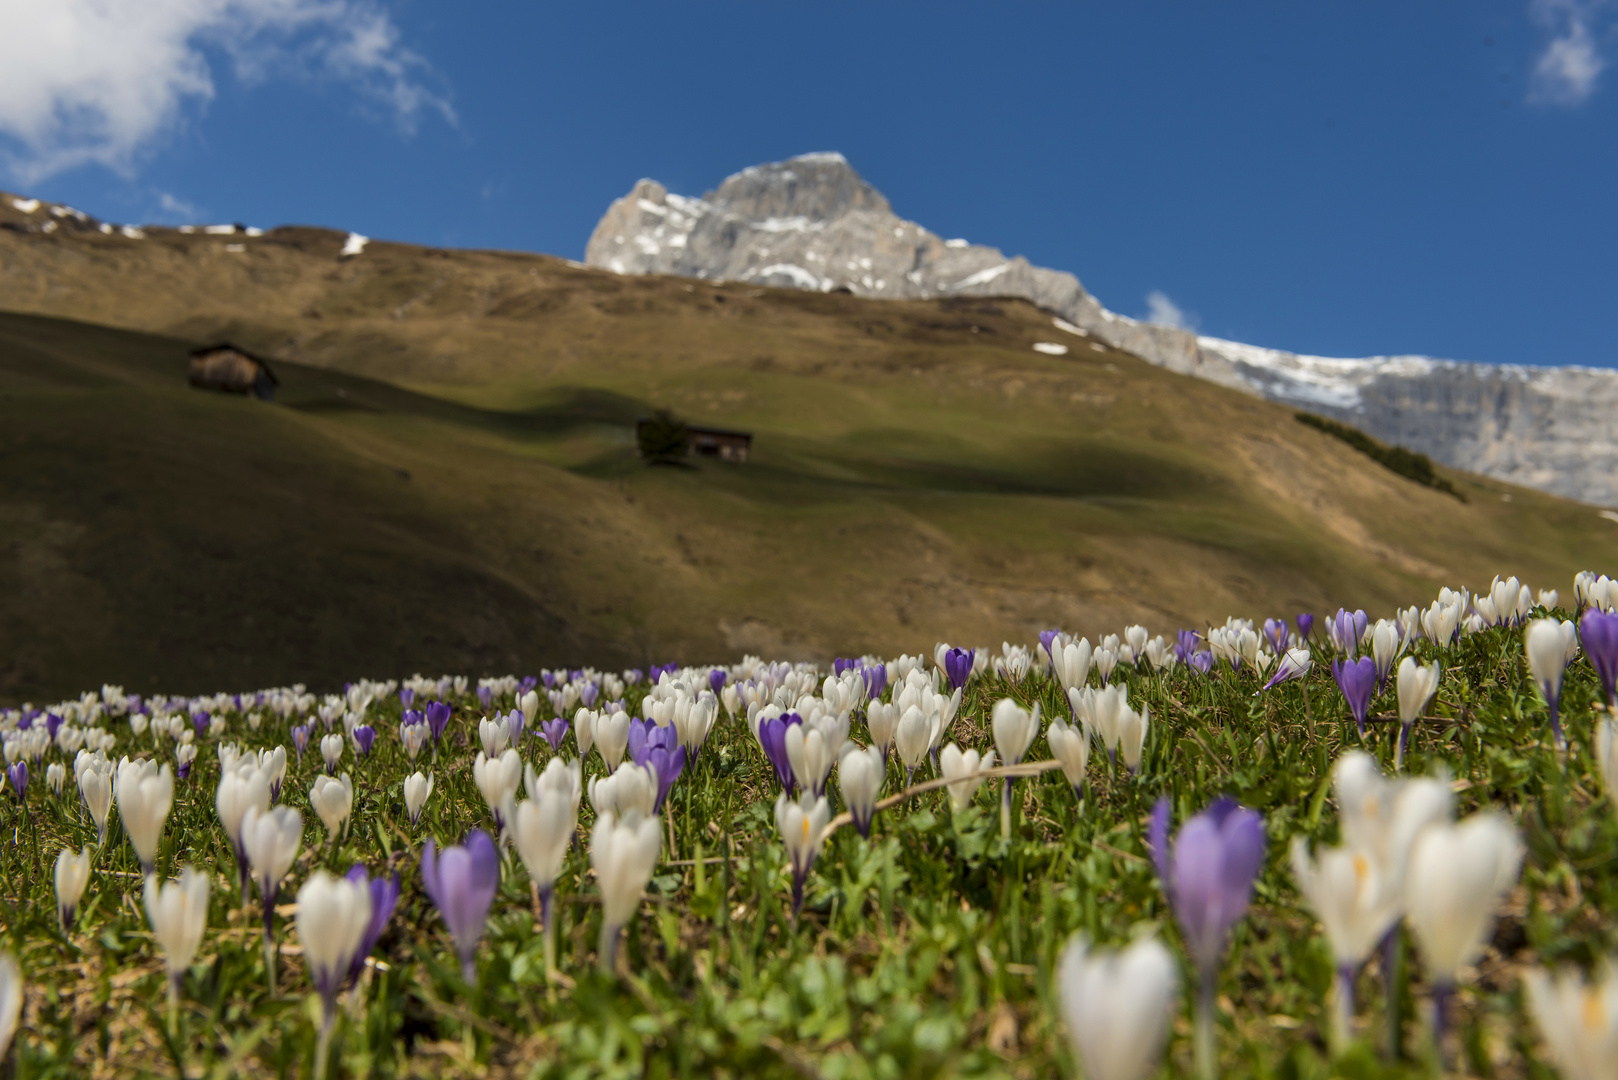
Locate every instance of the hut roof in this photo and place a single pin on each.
(223, 346)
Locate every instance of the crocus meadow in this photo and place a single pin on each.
(1314, 844)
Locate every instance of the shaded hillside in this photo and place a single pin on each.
(920, 471)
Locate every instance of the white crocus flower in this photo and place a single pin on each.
(271, 839)
(72, 875)
(241, 787)
(145, 797)
(56, 778)
(331, 749)
(882, 720)
(95, 785)
(1387, 642)
(1546, 644)
(1456, 878)
(1071, 747)
(530, 709)
(542, 828)
(623, 852)
(1132, 728)
(414, 737)
(1117, 1006)
(332, 800)
(1015, 729)
(417, 789)
(860, 773)
(1578, 1019)
(962, 769)
(913, 737)
(178, 912)
(1417, 685)
(631, 788)
(495, 735)
(612, 737)
(811, 754)
(802, 823)
(333, 913)
(497, 778)
(1357, 905)
(11, 994)
(1382, 817)
(1072, 663)
(1607, 755)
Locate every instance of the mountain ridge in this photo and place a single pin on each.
(1552, 428)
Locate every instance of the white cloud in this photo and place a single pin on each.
(176, 208)
(1165, 312)
(101, 81)
(1566, 71)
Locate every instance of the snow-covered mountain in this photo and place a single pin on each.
(813, 223)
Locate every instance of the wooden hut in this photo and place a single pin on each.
(232, 370)
(721, 444)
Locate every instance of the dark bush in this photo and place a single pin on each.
(663, 438)
(1407, 463)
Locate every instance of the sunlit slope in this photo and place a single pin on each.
(919, 472)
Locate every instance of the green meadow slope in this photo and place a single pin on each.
(448, 480)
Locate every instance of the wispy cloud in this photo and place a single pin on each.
(103, 81)
(175, 208)
(1165, 312)
(1568, 68)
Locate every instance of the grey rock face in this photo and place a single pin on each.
(813, 223)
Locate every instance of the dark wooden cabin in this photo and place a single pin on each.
(232, 370)
(721, 444)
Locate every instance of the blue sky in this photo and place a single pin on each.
(1336, 178)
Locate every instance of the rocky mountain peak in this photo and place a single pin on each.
(814, 187)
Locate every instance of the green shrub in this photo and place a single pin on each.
(1407, 463)
(663, 438)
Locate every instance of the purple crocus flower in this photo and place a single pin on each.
(1357, 680)
(1346, 629)
(52, 722)
(549, 679)
(364, 736)
(1306, 624)
(412, 716)
(485, 697)
(384, 898)
(407, 697)
(876, 680)
(958, 667)
(657, 748)
(528, 683)
(462, 882)
(515, 722)
(1185, 645)
(183, 771)
(18, 773)
(300, 738)
(1047, 638)
(1598, 633)
(199, 720)
(716, 679)
(772, 735)
(1202, 661)
(588, 693)
(1277, 633)
(438, 715)
(1207, 872)
(554, 730)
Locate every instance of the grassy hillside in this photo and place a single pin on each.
(448, 481)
